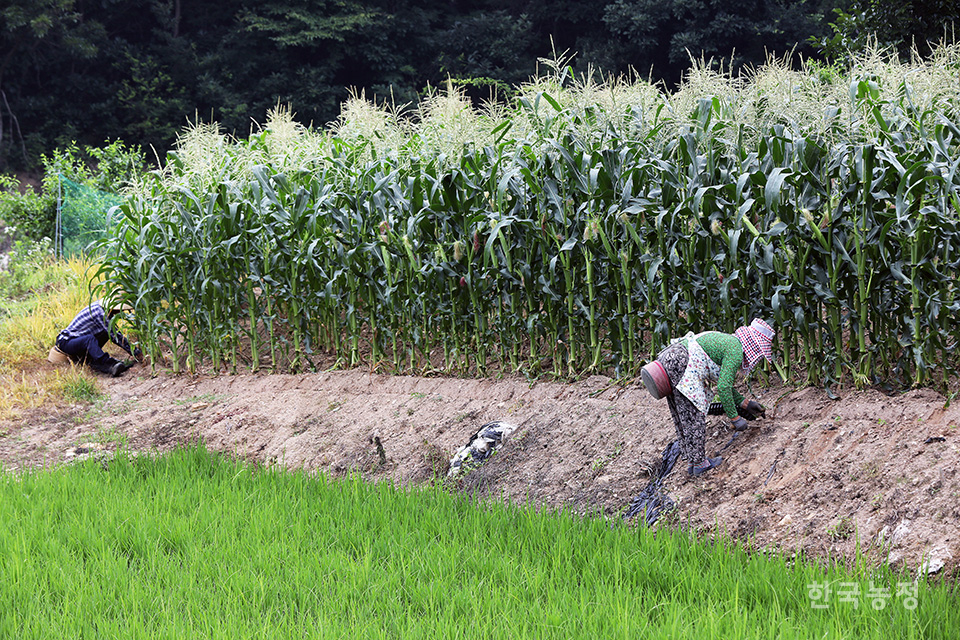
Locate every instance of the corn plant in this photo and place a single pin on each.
(579, 231)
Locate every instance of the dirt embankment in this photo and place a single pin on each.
(816, 474)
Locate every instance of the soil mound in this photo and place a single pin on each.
(817, 474)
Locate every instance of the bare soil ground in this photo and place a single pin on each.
(816, 474)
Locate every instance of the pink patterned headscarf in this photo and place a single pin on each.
(757, 341)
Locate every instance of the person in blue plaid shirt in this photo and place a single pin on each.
(86, 336)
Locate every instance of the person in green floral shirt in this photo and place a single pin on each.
(696, 363)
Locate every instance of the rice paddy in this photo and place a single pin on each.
(193, 544)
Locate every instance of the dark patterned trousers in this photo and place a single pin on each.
(689, 421)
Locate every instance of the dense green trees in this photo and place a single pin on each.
(901, 26)
(665, 35)
(92, 70)
(32, 32)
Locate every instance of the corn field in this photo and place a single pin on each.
(575, 231)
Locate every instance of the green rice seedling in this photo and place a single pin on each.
(194, 543)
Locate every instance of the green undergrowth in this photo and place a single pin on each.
(193, 544)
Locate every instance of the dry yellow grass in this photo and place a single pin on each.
(27, 380)
(42, 385)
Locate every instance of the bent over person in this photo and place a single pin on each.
(688, 367)
(83, 340)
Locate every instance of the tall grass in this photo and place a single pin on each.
(576, 230)
(30, 323)
(48, 298)
(192, 544)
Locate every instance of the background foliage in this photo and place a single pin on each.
(30, 212)
(137, 70)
